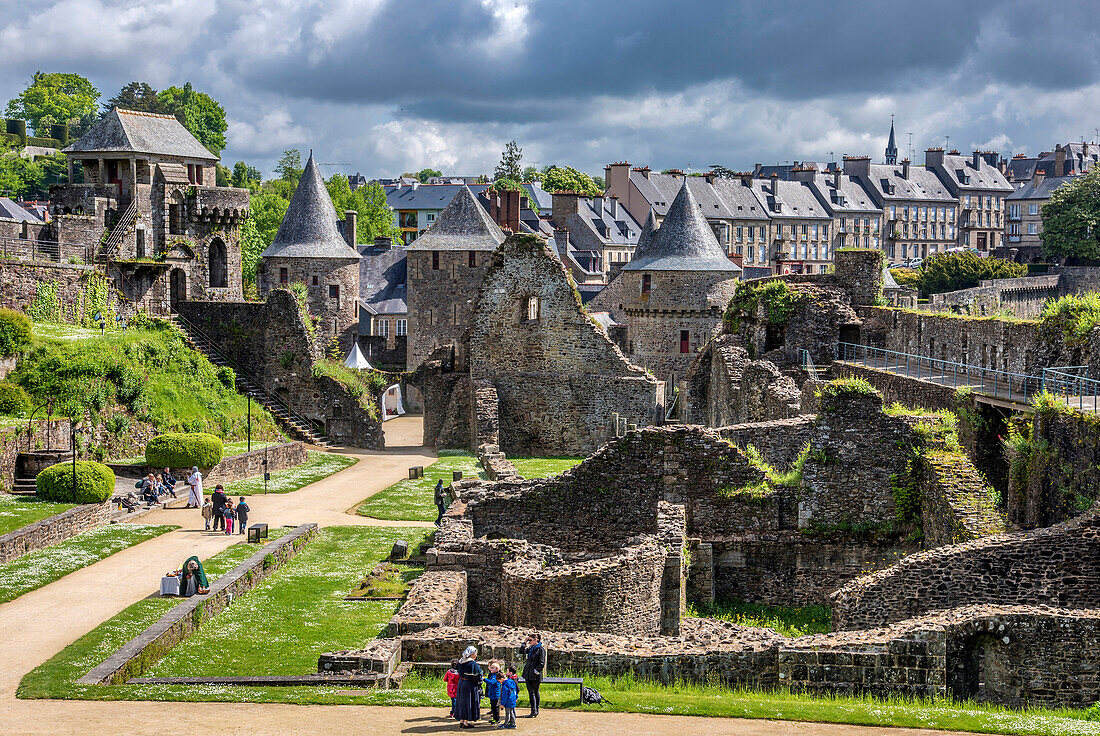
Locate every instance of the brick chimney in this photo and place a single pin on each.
(351, 220)
(933, 157)
(510, 210)
(383, 243)
(564, 205)
(1038, 175)
(803, 173)
(561, 239)
(857, 165)
(1059, 160)
(905, 168)
(746, 178)
(494, 206)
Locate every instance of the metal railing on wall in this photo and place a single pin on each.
(1016, 387)
(26, 249)
(1074, 385)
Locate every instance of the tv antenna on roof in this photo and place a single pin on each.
(910, 157)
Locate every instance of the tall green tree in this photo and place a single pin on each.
(138, 96)
(424, 174)
(266, 210)
(568, 179)
(19, 177)
(289, 166)
(199, 113)
(252, 247)
(245, 176)
(369, 201)
(530, 173)
(954, 271)
(1071, 219)
(56, 98)
(510, 163)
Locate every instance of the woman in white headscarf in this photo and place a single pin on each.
(194, 497)
(468, 701)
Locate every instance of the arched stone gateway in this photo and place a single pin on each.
(218, 264)
(177, 287)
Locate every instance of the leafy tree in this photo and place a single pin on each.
(137, 96)
(598, 181)
(530, 173)
(252, 247)
(722, 171)
(19, 177)
(507, 185)
(245, 176)
(954, 271)
(199, 113)
(55, 98)
(568, 179)
(1071, 219)
(509, 166)
(907, 277)
(223, 177)
(369, 201)
(266, 210)
(289, 166)
(424, 174)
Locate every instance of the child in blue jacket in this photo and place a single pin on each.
(492, 690)
(509, 696)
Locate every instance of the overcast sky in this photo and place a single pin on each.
(385, 86)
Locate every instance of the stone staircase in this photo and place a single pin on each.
(29, 464)
(121, 229)
(298, 426)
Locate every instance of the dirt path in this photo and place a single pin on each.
(39, 624)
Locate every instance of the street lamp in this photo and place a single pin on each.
(250, 421)
(74, 424)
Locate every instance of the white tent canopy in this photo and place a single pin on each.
(392, 406)
(357, 360)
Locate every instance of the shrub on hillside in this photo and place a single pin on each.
(953, 271)
(14, 401)
(15, 331)
(95, 483)
(178, 450)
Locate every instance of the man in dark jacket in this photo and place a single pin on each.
(440, 501)
(218, 499)
(533, 669)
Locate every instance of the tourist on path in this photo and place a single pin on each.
(468, 699)
(451, 678)
(194, 496)
(228, 513)
(440, 501)
(509, 697)
(219, 498)
(207, 511)
(492, 690)
(242, 515)
(533, 669)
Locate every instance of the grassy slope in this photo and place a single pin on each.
(787, 620)
(319, 465)
(18, 511)
(41, 567)
(411, 500)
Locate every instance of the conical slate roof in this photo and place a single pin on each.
(684, 242)
(309, 228)
(462, 225)
(646, 236)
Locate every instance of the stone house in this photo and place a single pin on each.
(148, 208)
(857, 220)
(416, 206)
(1065, 160)
(445, 267)
(309, 249)
(1023, 216)
(980, 188)
(800, 224)
(383, 306)
(596, 225)
(748, 223)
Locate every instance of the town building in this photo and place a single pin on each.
(980, 188)
(308, 249)
(800, 225)
(148, 207)
(445, 268)
(596, 235)
(1070, 159)
(416, 206)
(1023, 214)
(383, 306)
(857, 220)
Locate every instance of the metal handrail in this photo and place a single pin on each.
(31, 249)
(808, 364)
(120, 229)
(1067, 385)
(991, 381)
(267, 391)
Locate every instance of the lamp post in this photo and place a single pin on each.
(73, 425)
(250, 421)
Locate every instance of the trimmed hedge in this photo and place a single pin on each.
(180, 450)
(14, 401)
(95, 483)
(15, 331)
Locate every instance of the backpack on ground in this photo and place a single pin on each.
(591, 696)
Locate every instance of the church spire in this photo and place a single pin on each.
(891, 146)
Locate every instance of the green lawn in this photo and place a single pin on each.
(41, 567)
(18, 511)
(319, 465)
(787, 620)
(411, 500)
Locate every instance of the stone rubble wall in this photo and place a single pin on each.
(496, 464)
(54, 529)
(956, 504)
(779, 441)
(1057, 565)
(1024, 297)
(436, 598)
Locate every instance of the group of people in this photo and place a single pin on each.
(220, 511)
(467, 684)
(153, 486)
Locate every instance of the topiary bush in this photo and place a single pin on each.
(15, 331)
(14, 401)
(95, 483)
(179, 450)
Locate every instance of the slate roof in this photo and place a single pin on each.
(592, 229)
(541, 199)
(309, 227)
(684, 242)
(426, 196)
(382, 280)
(1042, 190)
(126, 131)
(462, 225)
(850, 196)
(645, 236)
(12, 211)
(741, 201)
(1022, 169)
(798, 200)
(661, 189)
(958, 168)
(922, 184)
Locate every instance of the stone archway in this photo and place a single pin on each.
(177, 287)
(218, 264)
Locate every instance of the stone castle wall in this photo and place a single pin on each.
(558, 377)
(442, 302)
(779, 441)
(52, 530)
(335, 315)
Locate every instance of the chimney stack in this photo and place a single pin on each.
(597, 204)
(494, 206)
(1059, 160)
(905, 168)
(510, 215)
(613, 206)
(775, 184)
(1038, 175)
(383, 243)
(746, 179)
(975, 159)
(933, 158)
(351, 221)
(561, 240)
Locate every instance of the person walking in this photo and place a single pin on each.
(194, 496)
(468, 700)
(207, 511)
(533, 669)
(440, 501)
(242, 515)
(219, 498)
